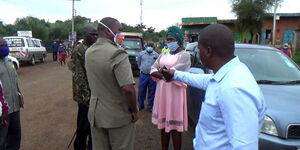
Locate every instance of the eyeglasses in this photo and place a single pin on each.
(3, 44)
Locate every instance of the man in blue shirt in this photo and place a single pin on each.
(234, 108)
(145, 60)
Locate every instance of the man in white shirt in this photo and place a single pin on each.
(234, 107)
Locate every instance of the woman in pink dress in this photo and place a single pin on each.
(170, 105)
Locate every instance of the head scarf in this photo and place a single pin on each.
(176, 33)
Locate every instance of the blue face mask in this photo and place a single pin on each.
(149, 49)
(173, 46)
(4, 51)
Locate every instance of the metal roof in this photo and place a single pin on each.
(199, 20)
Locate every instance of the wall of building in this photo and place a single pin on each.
(283, 24)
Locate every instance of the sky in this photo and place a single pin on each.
(159, 14)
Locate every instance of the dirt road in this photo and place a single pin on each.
(48, 120)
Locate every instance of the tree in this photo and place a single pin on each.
(250, 14)
(38, 27)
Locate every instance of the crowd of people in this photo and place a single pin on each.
(108, 108)
(113, 108)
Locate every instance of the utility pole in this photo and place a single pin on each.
(274, 23)
(141, 18)
(72, 31)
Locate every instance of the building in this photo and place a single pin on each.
(192, 26)
(287, 29)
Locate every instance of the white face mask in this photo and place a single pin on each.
(118, 38)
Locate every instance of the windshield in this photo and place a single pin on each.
(269, 65)
(14, 42)
(132, 44)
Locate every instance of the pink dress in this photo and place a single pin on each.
(170, 105)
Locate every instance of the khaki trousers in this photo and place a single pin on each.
(121, 138)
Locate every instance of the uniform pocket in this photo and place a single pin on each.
(92, 108)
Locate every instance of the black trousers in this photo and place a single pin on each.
(54, 56)
(10, 136)
(83, 138)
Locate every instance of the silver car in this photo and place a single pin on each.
(279, 79)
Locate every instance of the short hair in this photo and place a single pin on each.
(219, 38)
(108, 21)
(88, 28)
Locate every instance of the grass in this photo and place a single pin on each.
(296, 57)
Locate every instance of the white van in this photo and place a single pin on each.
(26, 49)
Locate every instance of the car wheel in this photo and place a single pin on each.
(42, 59)
(32, 61)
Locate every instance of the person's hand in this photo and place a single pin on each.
(21, 100)
(135, 117)
(168, 74)
(4, 120)
(158, 75)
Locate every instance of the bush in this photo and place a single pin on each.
(296, 57)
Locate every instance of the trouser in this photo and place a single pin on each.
(54, 56)
(83, 132)
(146, 83)
(10, 136)
(121, 138)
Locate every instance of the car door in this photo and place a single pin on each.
(31, 47)
(195, 96)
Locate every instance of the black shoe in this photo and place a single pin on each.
(141, 108)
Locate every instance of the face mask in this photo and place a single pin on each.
(172, 46)
(149, 49)
(4, 51)
(118, 38)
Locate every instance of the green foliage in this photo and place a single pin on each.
(59, 30)
(250, 14)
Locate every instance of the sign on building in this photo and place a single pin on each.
(24, 33)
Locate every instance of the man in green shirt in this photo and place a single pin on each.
(81, 90)
(113, 106)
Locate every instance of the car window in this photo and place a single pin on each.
(37, 43)
(269, 64)
(14, 42)
(132, 44)
(30, 43)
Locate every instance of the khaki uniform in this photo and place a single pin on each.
(108, 69)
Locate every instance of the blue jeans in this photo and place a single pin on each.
(10, 136)
(146, 84)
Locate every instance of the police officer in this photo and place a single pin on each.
(113, 105)
(81, 90)
(145, 60)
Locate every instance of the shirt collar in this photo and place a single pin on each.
(102, 40)
(226, 68)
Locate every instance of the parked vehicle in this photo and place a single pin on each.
(134, 44)
(14, 61)
(279, 79)
(26, 49)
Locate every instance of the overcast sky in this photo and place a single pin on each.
(159, 14)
